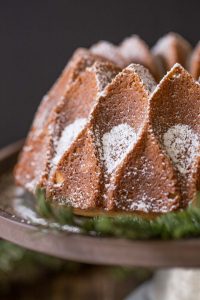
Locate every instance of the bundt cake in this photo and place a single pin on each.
(108, 137)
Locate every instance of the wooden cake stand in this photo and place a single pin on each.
(71, 245)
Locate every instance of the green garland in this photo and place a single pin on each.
(174, 225)
(18, 264)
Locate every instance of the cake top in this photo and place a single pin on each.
(108, 136)
(170, 49)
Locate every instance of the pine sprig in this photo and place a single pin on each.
(174, 225)
(62, 215)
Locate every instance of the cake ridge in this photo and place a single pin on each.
(194, 62)
(135, 50)
(178, 112)
(112, 139)
(47, 138)
(97, 127)
(146, 166)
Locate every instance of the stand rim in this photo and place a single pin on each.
(91, 249)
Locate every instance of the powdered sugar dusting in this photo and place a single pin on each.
(109, 51)
(116, 144)
(104, 74)
(134, 47)
(32, 184)
(145, 76)
(168, 43)
(182, 145)
(141, 204)
(69, 134)
(174, 72)
(27, 213)
(164, 43)
(21, 206)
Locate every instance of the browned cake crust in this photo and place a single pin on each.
(106, 140)
(125, 104)
(148, 178)
(81, 59)
(174, 121)
(194, 62)
(171, 49)
(78, 86)
(135, 50)
(109, 51)
(132, 50)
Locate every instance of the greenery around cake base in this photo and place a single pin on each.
(173, 225)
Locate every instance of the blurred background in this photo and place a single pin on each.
(38, 37)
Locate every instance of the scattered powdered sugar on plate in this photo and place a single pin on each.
(30, 215)
(21, 206)
(116, 144)
(68, 136)
(32, 184)
(27, 213)
(182, 145)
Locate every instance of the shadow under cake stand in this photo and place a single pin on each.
(19, 224)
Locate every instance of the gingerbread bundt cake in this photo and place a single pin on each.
(108, 137)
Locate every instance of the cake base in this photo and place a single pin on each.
(38, 234)
(101, 212)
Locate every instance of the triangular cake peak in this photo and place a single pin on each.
(146, 181)
(105, 72)
(144, 76)
(108, 51)
(106, 139)
(163, 165)
(129, 92)
(194, 62)
(73, 106)
(174, 121)
(171, 49)
(72, 113)
(115, 125)
(175, 71)
(176, 77)
(135, 50)
(133, 47)
(81, 59)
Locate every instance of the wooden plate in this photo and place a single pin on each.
(89, 249)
